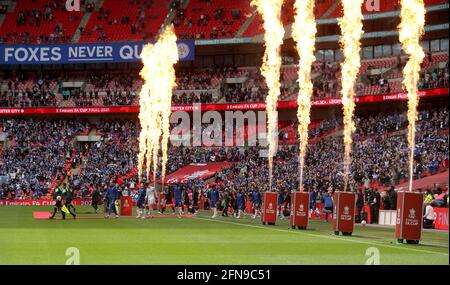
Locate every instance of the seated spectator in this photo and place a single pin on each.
(428, 198)
(439, 198)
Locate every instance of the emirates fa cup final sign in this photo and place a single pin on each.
(269, 208)
(299, 210)
(408, 224)
(344, 212)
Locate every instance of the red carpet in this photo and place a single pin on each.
(41, 215)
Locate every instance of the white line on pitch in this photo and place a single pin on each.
(323, 236)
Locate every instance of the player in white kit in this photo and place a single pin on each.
(150, 198)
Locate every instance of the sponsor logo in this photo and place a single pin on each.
(270, 209)
(183, 50)
(346, 210)
(345, 216)
(412, 220)
(412, 213)
(301, 211)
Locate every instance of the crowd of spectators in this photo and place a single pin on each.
(41, 149)
(3, 8)
(250, 93)
(37, 155)
(137, 25)
(383, 83)
(198, 86)
(221, 26)
(327, 85)
(35, 17)
(192, 97)
(378, 159)
(201, 79)
(115, 155)
(324, 127)
(24, 91)
(105, 89)
(435, 78)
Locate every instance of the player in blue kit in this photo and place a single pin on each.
(178, 195)
(240, 202)
(214, 197)
(312, 203)
(280, 203)
(113, 195)
(141, 203)
(257, 201)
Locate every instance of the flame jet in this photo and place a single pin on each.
(304, 33)
(411, 29)
(270, 11)
(156, 100)
(352, 29)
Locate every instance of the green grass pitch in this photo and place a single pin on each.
(200, 240)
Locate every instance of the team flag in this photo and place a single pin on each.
(65, 210)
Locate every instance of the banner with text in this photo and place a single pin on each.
(195, 171)
(40, 202)
(221, 107)
(83, 53)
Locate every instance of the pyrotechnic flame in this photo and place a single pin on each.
(156, 100)
(411, 29)
(270, 11)
(304, 33)
(352, 29)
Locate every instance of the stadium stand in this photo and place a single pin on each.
(385, 6)
(211, 19)
(287, 17)
(37, 154)
(39, 22)
(141, 22)
(377, 76)
(375, 157)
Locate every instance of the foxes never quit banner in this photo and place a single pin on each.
(83, 53)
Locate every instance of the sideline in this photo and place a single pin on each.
(324, 236)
